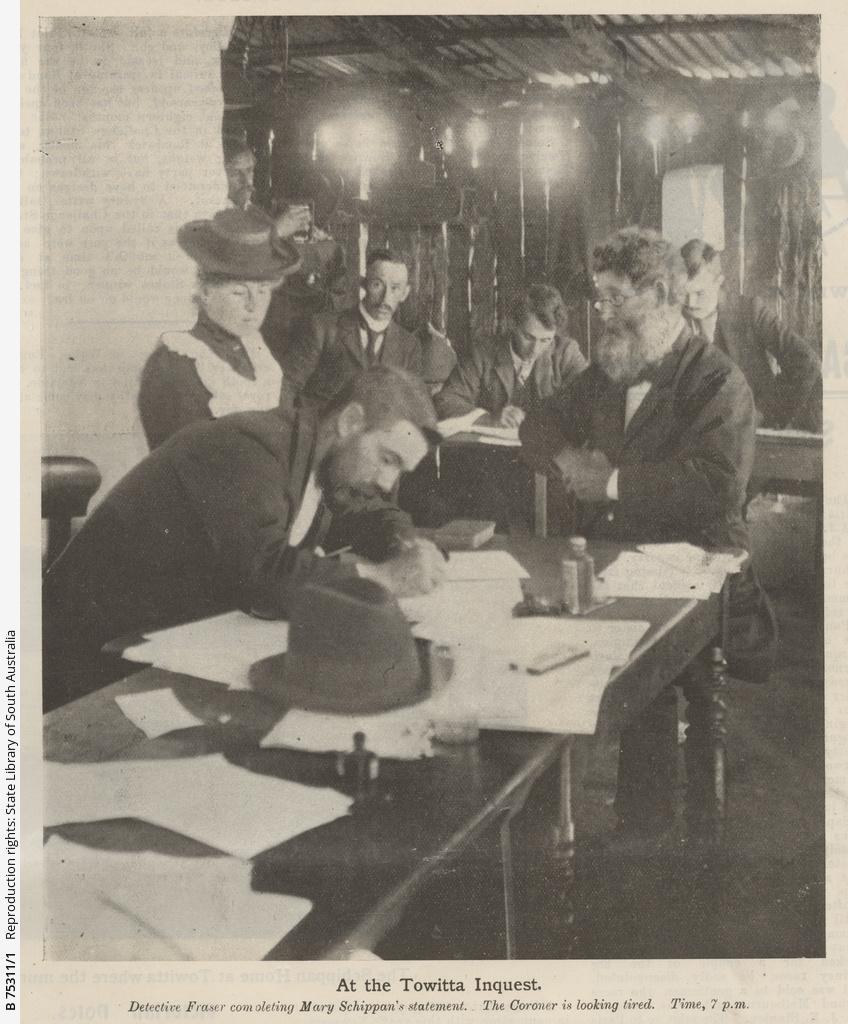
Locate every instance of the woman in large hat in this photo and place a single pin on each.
(222, 365)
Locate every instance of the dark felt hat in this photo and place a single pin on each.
(351, 651)
(240, 244)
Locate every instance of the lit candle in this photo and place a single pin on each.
(521, 188)
(743, 202)
(618, 167)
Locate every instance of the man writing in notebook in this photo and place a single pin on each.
(232, 513)
(501, 379)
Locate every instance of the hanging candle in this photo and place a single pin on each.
(743, 200)
(521, 190)
(315, 145)
(618, 168)
(654, 132)
(495, 278)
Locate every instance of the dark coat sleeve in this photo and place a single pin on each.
(559, 421)
(239, 491)
(705, 479)
(304, 353)
(170, 396)
(798, 393)
(462, 391)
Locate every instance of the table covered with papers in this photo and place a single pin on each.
(186, 760)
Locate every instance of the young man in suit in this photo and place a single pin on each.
(501, 379)
(229, 513)
(655, 441)
(339, 345)
(505, 376)
(782, 370)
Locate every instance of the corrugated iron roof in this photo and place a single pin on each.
(566, 51)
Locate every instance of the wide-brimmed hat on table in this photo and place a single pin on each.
(350, 651)
(241, 244)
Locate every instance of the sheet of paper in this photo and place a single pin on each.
(404, 734)
(503, 442)
(563, 700)
(221, 648)
(519, 639)
(106, 905)
(156, 712)
(457, 424)
(636, 575)
(206, 798)
(484, 565)
(687, 558)
(462, 609)
(499, 433)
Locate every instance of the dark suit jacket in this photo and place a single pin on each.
(683, 463)
(684, 460)
(485, 377)
(749, 334)
(199, 526)
(324, 359)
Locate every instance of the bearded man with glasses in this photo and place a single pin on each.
(654, 442)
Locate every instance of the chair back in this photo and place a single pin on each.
(67, 485)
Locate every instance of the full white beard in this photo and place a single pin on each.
(628, 347)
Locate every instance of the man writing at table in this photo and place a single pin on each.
(232, 513)
(501, 379)
(656, 439)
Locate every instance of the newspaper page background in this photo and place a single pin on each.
(774, 991)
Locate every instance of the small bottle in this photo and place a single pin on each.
(578, 577)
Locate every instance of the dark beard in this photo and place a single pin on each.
(331, 474)
(629, 346)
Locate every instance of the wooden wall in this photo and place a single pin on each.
(468, 271)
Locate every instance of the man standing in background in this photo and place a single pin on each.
(782, 370)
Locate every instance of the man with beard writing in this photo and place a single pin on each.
(655, 440)
(230, 513)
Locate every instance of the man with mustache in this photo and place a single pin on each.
(230, 513)
(340, 345)
(655, 441)
(783, 371)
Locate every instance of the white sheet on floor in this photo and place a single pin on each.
(106, 905)
(206, 798)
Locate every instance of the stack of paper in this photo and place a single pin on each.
(497, 435)
(104, 905)
(206, 798)
(458, 424)
(222, 648)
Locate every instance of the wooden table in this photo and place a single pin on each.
(362, 870)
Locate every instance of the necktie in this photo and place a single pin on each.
(371, 353)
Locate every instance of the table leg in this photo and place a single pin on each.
(508, 886)
(540, 504)
(563, 857)
(705, 691)
(647, 768)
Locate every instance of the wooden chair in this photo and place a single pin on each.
(67, 485)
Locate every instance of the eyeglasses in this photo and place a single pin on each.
(616, 301)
